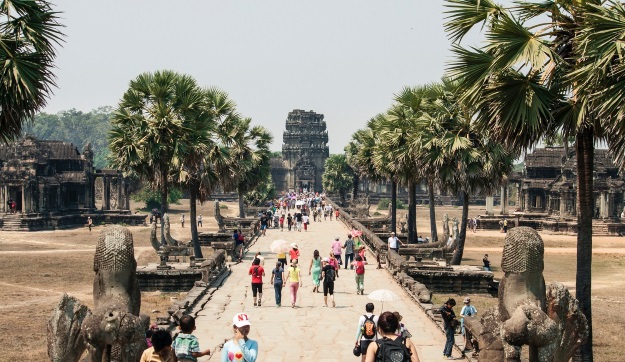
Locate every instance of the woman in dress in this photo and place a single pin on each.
(315, 270)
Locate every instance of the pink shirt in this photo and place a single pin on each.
(336, 247)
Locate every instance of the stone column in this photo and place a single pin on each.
(4, 199)
(23, 199)
(106, 193)
(119, 192)
(562, 204)
(42, 190)
(504, 199)
(490, 201)
(602, 205)
(526, 201)
(126, 196)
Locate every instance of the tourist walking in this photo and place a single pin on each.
(277, 279)
(505, 225)
(257, 272)
(89, 222)
(294, 253)
(337, 213)
(402, 330)
(264, 222)
(337, 248)
(393, 242)
(315, 270)
(334, 263)
(239, 244)
(402, 349)
(328, 273)
(186, 345)
(367, 329)
(182, 220)
(199, 220)
(319, 212)
(349, 251)
(295, 281)
(240, 348)
(289, 221)
(281, 222)
(359, 264)
(449, 323)
(262, 259)
(467, 311)
(305, 221)
(298, 221)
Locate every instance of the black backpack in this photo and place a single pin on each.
(392, 350)
(329, 275)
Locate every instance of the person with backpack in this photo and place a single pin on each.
(277, 279)
(367, 330)
(390, 346)
(359, 265)
(257, 272)
(328, 273)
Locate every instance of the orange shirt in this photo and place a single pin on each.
(294, 254)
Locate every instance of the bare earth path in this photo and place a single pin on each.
(309, 332)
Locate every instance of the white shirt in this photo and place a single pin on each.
(392, 242)
(305, 219)
(361, 322)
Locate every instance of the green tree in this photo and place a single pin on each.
(29, 33)
(76, 127)
(263, 192)
(153, 126)
(338, 176)
(548, 67)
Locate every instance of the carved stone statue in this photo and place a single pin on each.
(548, 321)
(174, 248)
(220, 219)
(446, 232)
(115, 330)
(168, 239)
(455, 230)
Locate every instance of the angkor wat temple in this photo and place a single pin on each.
(48, 184)
(304, 152)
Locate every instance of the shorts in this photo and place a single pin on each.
(364, 344)
(257, 288)
(263, 227)
(328, 287)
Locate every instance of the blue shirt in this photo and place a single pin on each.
(244, 351)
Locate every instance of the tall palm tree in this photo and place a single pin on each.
(153, 127)
(249, 149)
(29, 33)
(547, 67)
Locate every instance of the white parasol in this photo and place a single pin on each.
(279, 246)
(300, 203)
(383, 295)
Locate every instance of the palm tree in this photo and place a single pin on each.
(337, 176)
(29, 33)
(249, 149)
(153, 127)
(562, 74)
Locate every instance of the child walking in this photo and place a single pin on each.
(186, 345)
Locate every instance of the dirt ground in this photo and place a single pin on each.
(36, 268)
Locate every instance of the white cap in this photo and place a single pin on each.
(294, 246)
(240, 320)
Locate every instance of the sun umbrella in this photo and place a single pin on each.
(279, 246)
(383, 295)
(300, 202)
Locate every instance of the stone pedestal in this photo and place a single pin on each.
(490, 201)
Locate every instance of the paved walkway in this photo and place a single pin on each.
(309, 332)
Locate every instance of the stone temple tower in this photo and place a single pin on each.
(304, 152)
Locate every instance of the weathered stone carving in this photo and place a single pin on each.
(174, 248)
(114, 331)
(548, 321)
(166, 224)
(455, 231)
(359, 207)
(65, 342)
(446, 232)
(220, 219)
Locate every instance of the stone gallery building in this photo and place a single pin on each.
(549, 184)
(45, 179)
(304, 152)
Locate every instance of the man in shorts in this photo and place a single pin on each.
(361, 340)
(264, 222)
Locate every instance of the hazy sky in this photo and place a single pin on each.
(344, 59)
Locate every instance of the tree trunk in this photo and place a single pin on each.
(412, 213)
(197, 250)
(394, 207)
(585, 204)
(164, 206)
(457, 259)
(241, 205)
(356, 185)
(433, 230)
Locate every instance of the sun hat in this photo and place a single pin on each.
(337, 238)
(241, 319)
(294, 246)
(326, 260)
(467, 300)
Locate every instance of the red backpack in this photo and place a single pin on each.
(360, 268)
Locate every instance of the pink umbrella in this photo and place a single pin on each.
(356, 233)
